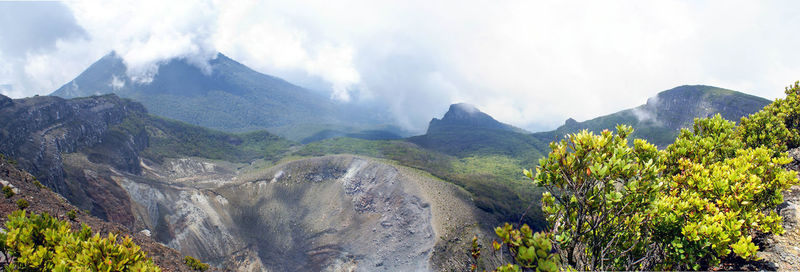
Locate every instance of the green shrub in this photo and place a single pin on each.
(718, 195)
(40, 242)
(598, 190)
(38, 184)
(777, 126)
(8, 191)
(611, 206)
(529, 250)
(72, 215)
(22, 204)
(195, 264)
(711, 211)
(710, 140)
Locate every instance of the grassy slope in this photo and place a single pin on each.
(170, 139)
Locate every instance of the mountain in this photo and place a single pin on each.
(463, 115)
(226, 96)
(244, 201)
(466, 131)
(661, 118)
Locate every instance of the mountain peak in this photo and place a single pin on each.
(660, 119)
(464, 111)
(467, 115)
(5, 101)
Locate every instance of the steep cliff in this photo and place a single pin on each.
(36, 131)
(43, 200)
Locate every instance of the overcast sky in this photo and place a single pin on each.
(529, 63)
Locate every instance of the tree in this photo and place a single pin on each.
(598, 192)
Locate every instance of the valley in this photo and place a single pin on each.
(332, 199)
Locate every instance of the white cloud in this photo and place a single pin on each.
(529, 63)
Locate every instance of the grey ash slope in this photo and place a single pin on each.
(229, 97)
(660, 119)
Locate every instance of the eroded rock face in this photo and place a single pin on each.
(37, 131)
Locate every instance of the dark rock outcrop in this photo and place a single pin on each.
(5, 101)
(44, 200)
(37, 131)
(466, 115)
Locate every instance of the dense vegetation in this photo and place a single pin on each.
(172, 139)
(40, 242)
(615, 206)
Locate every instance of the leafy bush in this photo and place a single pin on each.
(195, 264)
(40, 242)
(72, 215)
(777, 126)
(710, 140)
(598, 193)
(612, 206)
(529, 250)
(718, 195)
(711, 211)
(38, 184)
(22, 204)
(8, 191)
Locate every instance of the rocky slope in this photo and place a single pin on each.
(36, 131)
(44, 200)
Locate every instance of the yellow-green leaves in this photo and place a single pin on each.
(776, 126)
(598, 192)
(613, 206)
(530, 250)
(40, 242)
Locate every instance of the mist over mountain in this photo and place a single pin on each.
(661, 118)
(229, 96)
(464, 130)
(467, 115)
